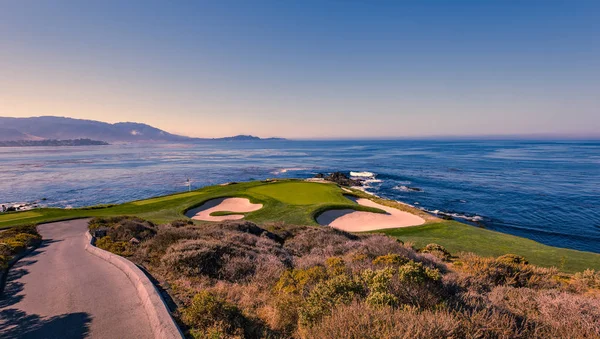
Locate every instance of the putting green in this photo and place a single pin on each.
(302, 193)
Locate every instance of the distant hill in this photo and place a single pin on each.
(59, 128)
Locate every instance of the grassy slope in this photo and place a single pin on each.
(295, 202)
(458, 237)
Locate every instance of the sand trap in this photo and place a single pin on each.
(359, 221)
(240, 205)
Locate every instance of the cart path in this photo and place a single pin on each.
(62, 291)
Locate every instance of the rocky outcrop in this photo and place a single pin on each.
(340, 179)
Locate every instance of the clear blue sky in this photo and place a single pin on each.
(302, 69)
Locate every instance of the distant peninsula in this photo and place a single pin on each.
(52, 143)
(52, 129)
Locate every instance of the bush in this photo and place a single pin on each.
(390, 259)
(328, 294)
(124, 228)
(15, 240)
(335, 266)
(556, 314)
(588, 279)
(489, 272)
(239, 280)
(299, 281)
(512, 259)
(358, 320)
(122, 248)
(415, 272)
(181, 223)
(438, 251)
(194, 257)
(209, 315)
(4, 261)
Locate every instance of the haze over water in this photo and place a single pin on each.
(545, 191)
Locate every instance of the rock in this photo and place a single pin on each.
(342, 179)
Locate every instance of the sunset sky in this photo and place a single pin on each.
(307, 69)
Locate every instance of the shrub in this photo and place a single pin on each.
(328, 294)
(15, 240)
(123, 248)
(556, 314)
(299, 281)
(379, 280)
(125, 228)
(381, 299)
(194, 257)
(358, 320)
(489, 272)
(209, 315)
(4, 261)
(324, 240)
(438, 251)
(512, 259)
(588, 279)
(415, 272)
(390, 259)
(335, 266)
(181, 223)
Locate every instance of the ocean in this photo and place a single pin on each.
(548, 191)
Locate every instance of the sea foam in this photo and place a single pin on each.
(362, 174)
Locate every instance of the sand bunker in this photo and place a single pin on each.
(238, 205)
(359, 221)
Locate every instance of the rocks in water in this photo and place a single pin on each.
(340, 179)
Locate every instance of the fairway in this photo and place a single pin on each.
(165, 198)
(302, 193)
(19, 216)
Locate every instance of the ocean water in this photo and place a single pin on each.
(546, 191)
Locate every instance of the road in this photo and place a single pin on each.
(62, 291)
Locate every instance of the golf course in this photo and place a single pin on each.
(296, 202)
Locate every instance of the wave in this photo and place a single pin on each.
(372, 181)
(362, 174)
(285, 170)
(472, 218)
(404, 188)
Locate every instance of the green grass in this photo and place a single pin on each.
(19, 215)
(458, 237)
(165, 198)
(302, 193)
(225, 213)
(296, 202)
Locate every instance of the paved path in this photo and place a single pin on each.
(62, 291)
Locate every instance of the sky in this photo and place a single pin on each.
(307, 69)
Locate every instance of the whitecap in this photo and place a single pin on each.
(404, 188)
(362, 174)
(285, 170)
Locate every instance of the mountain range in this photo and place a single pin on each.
(60, 128)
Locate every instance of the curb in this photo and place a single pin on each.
(162, 324)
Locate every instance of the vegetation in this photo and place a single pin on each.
(239, 280)
(458, 238)
(292, 202)
(16, 240)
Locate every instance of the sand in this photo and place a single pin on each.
(240, 205)
(359, 221)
